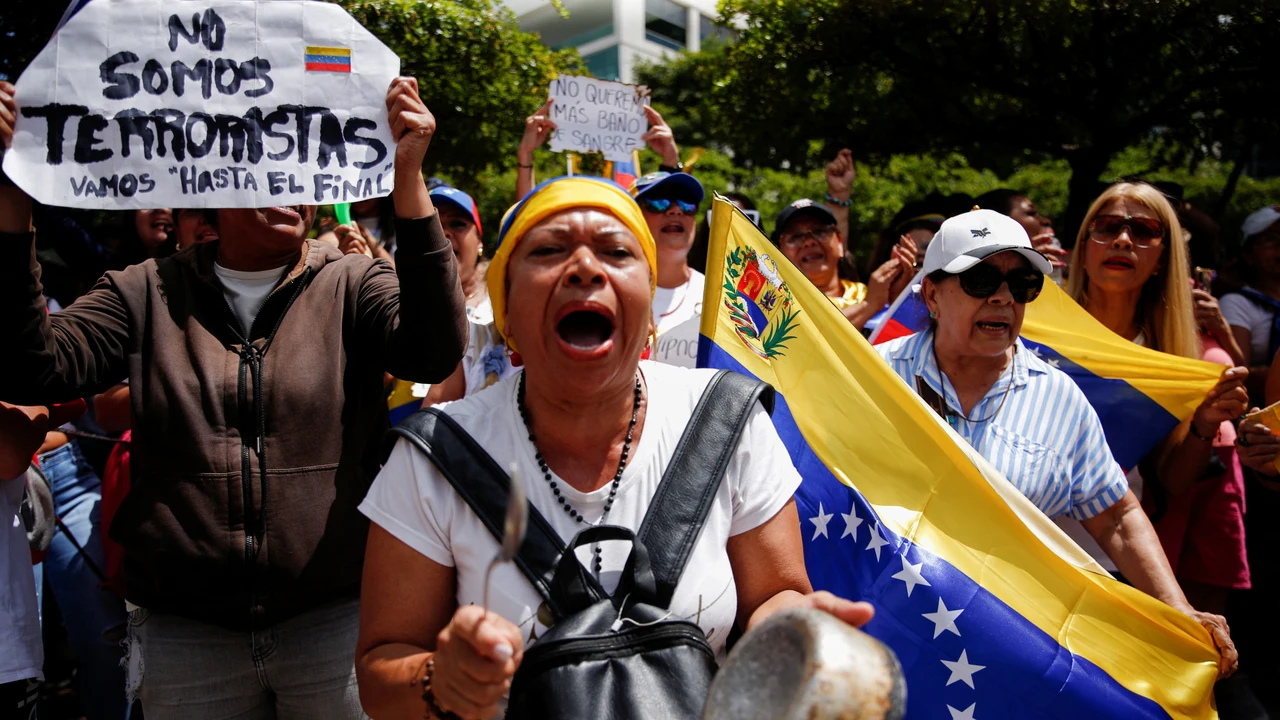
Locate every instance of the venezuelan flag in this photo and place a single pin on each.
(625, 173)
(1140, 395)
(993, 612)
(328, 59)
(404, 400)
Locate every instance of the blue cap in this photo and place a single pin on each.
(445, 195)
(678, 186)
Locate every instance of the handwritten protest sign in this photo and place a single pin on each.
(598, 116)
(205, 103)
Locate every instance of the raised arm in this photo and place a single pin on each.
(841, 173)
(49, 361)
(537, 129)
(414, 314)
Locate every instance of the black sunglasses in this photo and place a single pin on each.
(983, 280)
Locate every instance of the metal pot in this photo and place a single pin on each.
(805, 664)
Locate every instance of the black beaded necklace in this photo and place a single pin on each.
(555, 488)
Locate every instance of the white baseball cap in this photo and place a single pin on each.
(1259, 221)
(966, 239)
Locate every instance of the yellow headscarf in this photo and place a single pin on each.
(551, 197)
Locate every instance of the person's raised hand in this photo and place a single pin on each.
(354, 240)
(477, 654)
(1209, 314)
(537, 128)
(660, 138)
(905, 252)
(1227, 400)
(841, 173)
(1046, 244)
(881, 282)
(1257, 447)
(8, 113)
(412, 124)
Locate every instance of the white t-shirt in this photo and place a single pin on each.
(677, 312)
(413, 502)
(21, 652)
(247, 291)
(1241, 312)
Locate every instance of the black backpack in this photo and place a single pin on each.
(610, 657)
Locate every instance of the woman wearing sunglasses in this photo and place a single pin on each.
(669, 202)
(1132, 273)
(808, 235)
(1028, 419)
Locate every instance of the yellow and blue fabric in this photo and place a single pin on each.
(549, 198)
(1140, 395)
(990, 608)
(404, 399)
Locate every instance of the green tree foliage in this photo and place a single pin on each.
(480, 75)
(1002, 81)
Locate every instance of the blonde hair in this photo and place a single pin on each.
(1165, 312)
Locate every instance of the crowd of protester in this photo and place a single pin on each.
(194, 442)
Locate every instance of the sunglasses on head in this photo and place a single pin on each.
(661, 205)
(1144, 232)
(982, 281)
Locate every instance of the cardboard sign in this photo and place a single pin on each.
(598, 116)
(204, 104)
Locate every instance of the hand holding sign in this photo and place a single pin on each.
(660, 138)
(208, 103)
(412, 124)
(598, 116)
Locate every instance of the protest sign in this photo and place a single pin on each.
(598, 116)
(203, 104)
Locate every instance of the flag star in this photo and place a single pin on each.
(1052, 362)
(962, 670)
(910, 574)
(820, 523)
(944, 619)
(851, 523)
(966, 714)
(877, 541)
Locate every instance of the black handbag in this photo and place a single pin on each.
(605, 656)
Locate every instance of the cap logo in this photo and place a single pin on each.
(980, 233)
(802, 203)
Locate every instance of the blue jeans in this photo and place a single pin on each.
(92, 614)
(300, 669)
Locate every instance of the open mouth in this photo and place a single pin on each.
(813, 257)
(992, 325)
(673, 227)
(586, 330)
(291, 214)
(1118, 262)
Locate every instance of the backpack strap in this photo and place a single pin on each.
(683, 500)
(485, 487)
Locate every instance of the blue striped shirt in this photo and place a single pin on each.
(1046, 438)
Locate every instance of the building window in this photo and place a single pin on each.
(584, 38)
(603, 63)
(666, 23)
(710, 30)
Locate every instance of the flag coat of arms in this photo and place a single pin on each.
(993, 612)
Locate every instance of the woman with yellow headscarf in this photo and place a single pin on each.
(592, 428)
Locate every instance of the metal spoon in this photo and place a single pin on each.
(514, 526)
